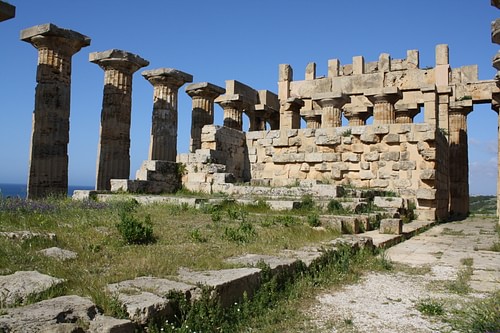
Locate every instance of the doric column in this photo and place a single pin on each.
(257, 121)
(7, 11)
(331, 108)
(166, 83)
(357, 115)
(203, 95)
(383, 104)
(290, 113)
(233, 107)
(495, 38)
(113, 155)
(459, 158)
(48, 172)
(405, 113)
(312, 119)
(495, 106)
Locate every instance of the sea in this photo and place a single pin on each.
(19, 190)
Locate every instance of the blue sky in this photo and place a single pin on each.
(222, 40)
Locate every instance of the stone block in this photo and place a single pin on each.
(426, 194)
(390, 156)
(391, 226)
(83, 195)
(276, 264)
(379, 183)
(255, 135)
(391, 138)
(388, 202)
(314, 157)
(371, 156)
(428, 174)
(402, 183)
(381, 129)
(367, 137)
(412, 59)
(280, 142)
(105, 324)
(358, 148)
(351, 157)
(327, 139)
(358, 65)
(402, 128)
(366, 174)
(332, 157)
(364, 165)
(350, 225)
(199, 177)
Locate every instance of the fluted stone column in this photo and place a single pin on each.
(48, 170)
(233, 107)
(203, 95)
(166, 83)
(357, 116)
(257, 121)
(383, 104)
(495, 38)
(459, 159)
(331, 108)
(290, 113)
(312, 120)
(113, 156)
(406, 113)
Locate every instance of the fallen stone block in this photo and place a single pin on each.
(308, 255)
(388, 202)
(17, 287)
(27, 235)
(57, 253)
(276, 264)
(391, 226)
(229, 284)
(51, 313)
(105, 324)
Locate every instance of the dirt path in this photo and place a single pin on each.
(436, 264)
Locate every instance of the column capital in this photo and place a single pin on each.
(7, 11)
(386, 94)
(170, 77)
(51, 36)
(461, 107)
(204, 89)
(118, 59)
(335, 99)
(292, 104)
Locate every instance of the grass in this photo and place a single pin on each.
(430, 307)
(478, 316)
(184, 237)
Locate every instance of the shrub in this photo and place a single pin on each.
(244, 233)
(313, 220)
(430, 307)
(133, 231)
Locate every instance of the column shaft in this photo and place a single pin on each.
(459, 165)
(233, 116)
(48, 170)
(203, 114)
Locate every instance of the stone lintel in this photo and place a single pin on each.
(269, 99)
(167, 76)
(444, 90)
(234, 87)
(389, 94)
(294, 102)
(7, 11)
(52, 30)
(428, 88)
(230, 98)
(310, 113)
(204, 88)
(461, 106)
(114, 55)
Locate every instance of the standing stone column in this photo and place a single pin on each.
(459, 157)
(331, 108)
(383, 104)
(357, 115)
(48, 171)
(495, 38)
(290, 113)
(203, 95)
(233, 107)
(166, 83)
(113, 155)
(312, 119)
(405, 113)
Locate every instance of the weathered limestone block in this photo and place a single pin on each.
(58, 253)
(366, 174)
(369, 137)
(371, 156)
(229, 284)
(428, 174)
(17, 287)
(351, 157)
(327, 137)
(105, 324)
(276, 264)
(391, 138)
(388, 202)
(390, 156)
(426, 194)
(53, 313)
(332, 157)
(350, 225)
(379, 183)
(402, 183)
(48, 169)
(391, 226)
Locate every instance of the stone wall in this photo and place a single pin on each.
(405, 158)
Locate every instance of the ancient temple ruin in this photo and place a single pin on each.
(352, 127)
